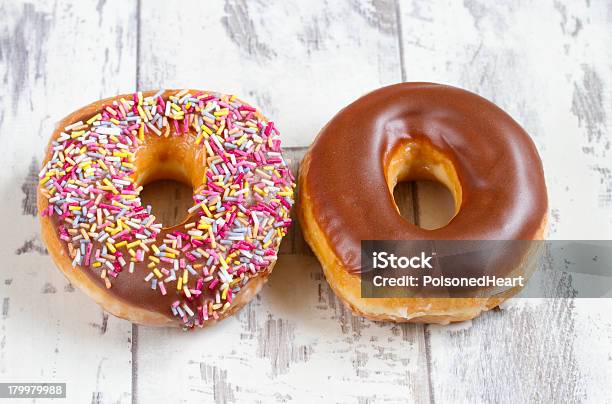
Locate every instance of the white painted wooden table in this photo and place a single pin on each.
(547, 62)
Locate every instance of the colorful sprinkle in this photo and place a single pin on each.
(239, 215)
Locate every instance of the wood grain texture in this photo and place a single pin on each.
(275, 338)
(550, 73)
(295, 325)
(300, 62)
(548, 63)
(54, 57)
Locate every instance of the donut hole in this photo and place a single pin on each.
(424, 185)
(169, 200)
(169, 169)
(427, 204)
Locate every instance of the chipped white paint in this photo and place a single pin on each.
(54, 57)
(295, 341)
(545, 62)
(548, 64)
(299, 61)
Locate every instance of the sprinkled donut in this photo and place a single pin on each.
(111, 246)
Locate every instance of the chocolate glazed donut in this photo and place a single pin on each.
(414, 131)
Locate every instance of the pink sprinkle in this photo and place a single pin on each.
(88, 254)
(246, 108)
(213, 284)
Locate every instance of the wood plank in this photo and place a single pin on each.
(547, 64)
(55, 57)
(300, 62)
(264, 336)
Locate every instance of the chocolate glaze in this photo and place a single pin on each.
(500, 172)
(132, 289)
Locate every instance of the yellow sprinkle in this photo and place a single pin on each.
(142, 114)
(94, 118)
(113, 231)
(111, 247)
(206, 129)
(120, 154)
(179, 284)
(119, 204)
(134, 244)
(157, 273)
(242, 139)
(205, 209)
(222, 262)
(154, 259)
(259, 191)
